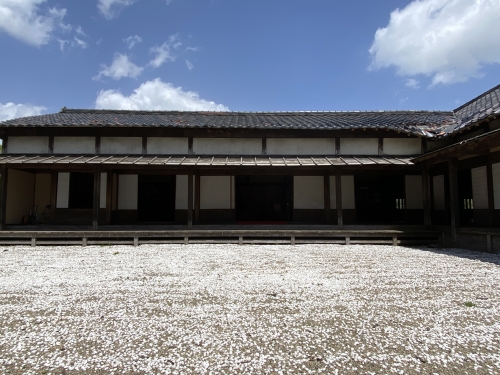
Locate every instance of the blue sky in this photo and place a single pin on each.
(246, 55)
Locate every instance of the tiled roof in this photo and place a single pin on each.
(420, 123)
(478, 109)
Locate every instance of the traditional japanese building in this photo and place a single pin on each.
(160, 176)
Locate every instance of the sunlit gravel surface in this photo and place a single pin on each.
(228, 309)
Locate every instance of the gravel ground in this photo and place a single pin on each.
(227, 309)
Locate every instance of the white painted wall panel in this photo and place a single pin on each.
(359, 146)
(62, 190)
(215, 192)
(414, 192)
(20, 192)
(496, 185)
(300, 146)
(128, 185)
(308, 192)
(28, 145)
(168, 146)
(227, 146)
(181, 192)
(439, 196)
(121, 145)
(333, 195)
(74, 145)
(402, 146)
(43, 184)
(479, 188)
(104, 184)
(348, 194)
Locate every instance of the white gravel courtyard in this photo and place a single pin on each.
(229, 309)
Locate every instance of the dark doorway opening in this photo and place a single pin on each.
(156, 199)
(81, 190)
(380, 199)
(264, 199)
(466, 204)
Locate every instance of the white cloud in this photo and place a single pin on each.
(80, 43)
(168, 2)
(194, 49)
(24, 20)
(132, 40)
(110, 8)
(412, 83)
(10, 110)
(163, 53)
(156, 95)
(448, 40)
(189, 65)
(121, 67)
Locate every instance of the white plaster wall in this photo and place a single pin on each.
(74, 145)
(333, 194)
(348, 194)
(308, 192)
(128, 185)
(43, 183)
(414, 192)
(28, 145)
(402, 146)
(168, 145)
(215, 192)
(359, 146)
(479, 188)
(300, 146)
(227, 146)
(20, 192)
(181, 192)
(62, 200)
(438, 188)
(496, 185)
(121, 145)
(104, 184)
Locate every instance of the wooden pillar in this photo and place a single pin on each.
(53, 195)
(327, 197)
(3, 194)
(190, 201)
(426, 189)
(491, 195)
(197, 188)
(338, 197)
(109, 195)
(97, 195)
(454, 205)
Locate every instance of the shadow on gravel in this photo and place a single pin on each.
(466, 254)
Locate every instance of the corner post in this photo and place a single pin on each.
(97, 196)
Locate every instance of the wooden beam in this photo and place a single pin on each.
(326, 185)
(53, 195)
(197, 198)
(109, 195)
(426, 189)
(338, 197)
(96, 198)
(491, 195)
(3, 194)
(454, 205)
(190, 201)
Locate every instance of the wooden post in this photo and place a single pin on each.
(96, 198)
(109, 195)
(327, 198)
(3, 194)
(426, 189)
(98, 145)
(53, 196)
(491, 195)
(5, 141)
(381, 146)
(454, 206)
(264, 146)
(51, 144)
(197, 198)
(190, 201)
(338, 197)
